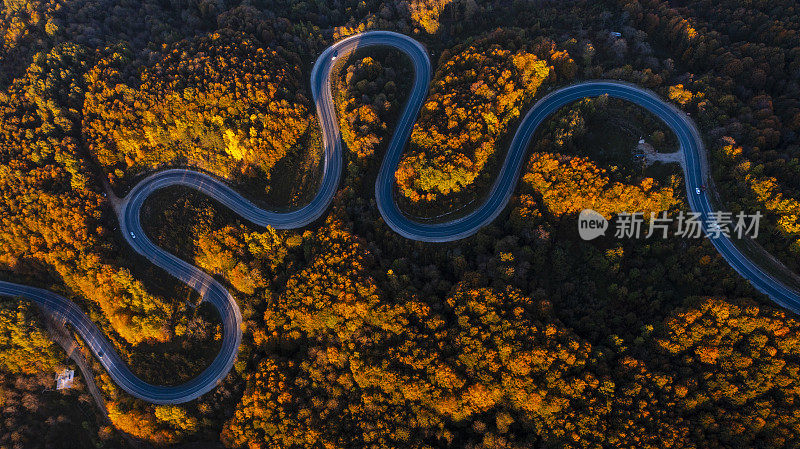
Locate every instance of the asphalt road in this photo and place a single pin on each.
(498, 197)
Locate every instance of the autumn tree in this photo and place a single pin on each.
(478, 90)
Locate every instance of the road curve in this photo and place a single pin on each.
(213, 292)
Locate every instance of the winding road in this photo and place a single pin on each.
(212, 291)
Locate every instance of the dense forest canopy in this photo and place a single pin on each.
(519, 336)
(217, 102)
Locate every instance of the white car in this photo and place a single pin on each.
(133, 236)
(697, 190)
(335, 54)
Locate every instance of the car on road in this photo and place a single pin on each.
(133, 236)
(100, 354)
(697, 190)
(335, 54)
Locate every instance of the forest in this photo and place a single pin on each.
(520, 336)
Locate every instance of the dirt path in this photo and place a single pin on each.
(665, 158)
(651, 156)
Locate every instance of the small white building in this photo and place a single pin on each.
(64, 379)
